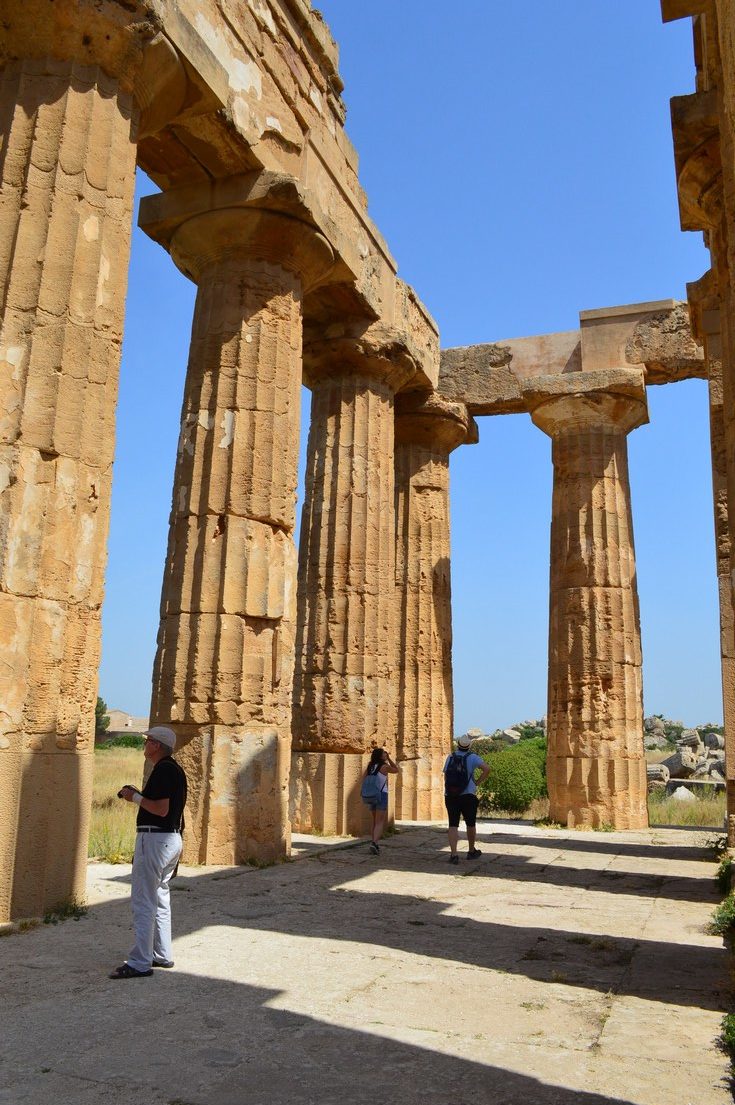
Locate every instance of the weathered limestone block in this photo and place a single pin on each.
(345, 687)
(681, 764)
(224, 667)
(658, 773)
(664, 343)
(427, 429)
(595, 766)
(68, 118)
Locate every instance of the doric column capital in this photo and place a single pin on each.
(217, 228)
(614, 400)
(432, 422)
(359, 349)
(695, 128)
(704, 306)
(123, 39)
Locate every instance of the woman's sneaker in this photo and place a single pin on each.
(454, 858)
(474, 853)
(375, 850)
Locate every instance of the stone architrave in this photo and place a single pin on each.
(345, 685)
(224, 667)
(428, 428)
(73, 89)
(596, 766)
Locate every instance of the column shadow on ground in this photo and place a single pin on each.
(329, 906)
(224, 1042)
(639, 884)
(594, 843)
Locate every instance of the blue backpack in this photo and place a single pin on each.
(456, 775)
(372, 785)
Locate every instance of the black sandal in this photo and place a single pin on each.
(126, 971)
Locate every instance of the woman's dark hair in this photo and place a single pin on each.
(376, 758)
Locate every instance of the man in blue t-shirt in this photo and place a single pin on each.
(463, 804)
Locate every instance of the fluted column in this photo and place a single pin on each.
(224, 667)
(344, 689)
(428, 428)
(596, 766)
(69, 115)
(707, 322)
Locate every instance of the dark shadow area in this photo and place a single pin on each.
(599, 845)
(637, 883)
(222, 1042)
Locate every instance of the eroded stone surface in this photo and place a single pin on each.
(492, 378)
(427, 430)
(596, 768)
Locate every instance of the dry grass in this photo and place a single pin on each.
(707, 812)
(112, 831)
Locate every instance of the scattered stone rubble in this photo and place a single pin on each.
(698, 754)
(514, 733)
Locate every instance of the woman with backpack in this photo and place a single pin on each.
(374, 792)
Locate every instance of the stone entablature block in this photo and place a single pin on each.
(491, 378)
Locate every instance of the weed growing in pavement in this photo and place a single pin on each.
(71, 909)
(723, 918)
(723, 877)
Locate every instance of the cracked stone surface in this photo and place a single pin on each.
(561, 968)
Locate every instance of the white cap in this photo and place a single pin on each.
(464, 741)
(163, 735)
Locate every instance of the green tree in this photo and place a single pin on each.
(101, 718)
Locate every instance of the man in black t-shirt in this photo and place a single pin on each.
(157, 851)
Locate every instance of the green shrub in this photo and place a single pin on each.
(123, 740)
(516, 778)
(727, 1036)
(101, 718)
(488, 746)
(723, 918)
(723, 878)
(531, 732)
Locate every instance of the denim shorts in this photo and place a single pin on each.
(380, 803)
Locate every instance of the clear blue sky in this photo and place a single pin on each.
(518, 160)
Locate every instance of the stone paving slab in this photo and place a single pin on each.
(559, 969)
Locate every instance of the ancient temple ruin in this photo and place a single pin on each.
(278, 674)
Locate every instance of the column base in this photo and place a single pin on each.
(54, 796)
(237, 809)
(325, 793)
(420, 788)
(596, 793)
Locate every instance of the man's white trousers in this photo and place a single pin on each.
(156, 856)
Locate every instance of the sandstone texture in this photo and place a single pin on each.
(704, 143)
(237, 115)
(279, 677)
(595, 762)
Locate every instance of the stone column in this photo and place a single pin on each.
(596, 766)
(704, 152)
(428, 428)
(707, 325)
(224, 667)
(345, 684)
(69, 116)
